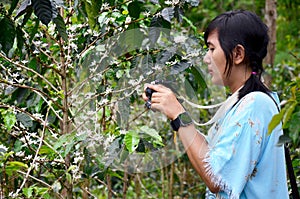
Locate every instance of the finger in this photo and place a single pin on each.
(145, 98)
(157, 87)
(154, 107)
(146, 86)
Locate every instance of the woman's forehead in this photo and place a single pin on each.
(213, 38)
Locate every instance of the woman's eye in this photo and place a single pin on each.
(211, 49)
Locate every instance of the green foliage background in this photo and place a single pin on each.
(43, 44)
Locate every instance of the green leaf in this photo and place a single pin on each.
(178, 13)
(288, 112)
(113, 151)
(13, 5)
(61, 27)
(131, 40)
(69, 177)
(92, 8)
(9, 119)
(24, 8)
(17, 164)
(152, 133)
(198, 77)
(294, 127)
(43, 10)
(68, 148)
(154, 32)
(168, 14)
(41, 190)
(157, 26)
(13, 166)
(132, 140)
(20, 38)
(283, 139)
(179, 67)
(20, 95)
(4, 156)
(18, 146)
(275, 121)
(63, 139)
(28, 192)
(7, 36)
(134, 9)
(72, 167)
(24, 119)
(45, 150)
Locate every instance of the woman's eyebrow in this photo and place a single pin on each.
(209, 43)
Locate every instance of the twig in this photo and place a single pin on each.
(116, 28)
(36, 154)
(44, 183)
(106, 185)
(37, 46)
(50, 105)
(105, 104)
(85, 81)
(86, 190)
(29, 69)
(137, 116)
(295, 56)
(145, 189)
(27, 113)
(37, 91)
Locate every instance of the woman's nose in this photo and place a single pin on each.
(206, 58)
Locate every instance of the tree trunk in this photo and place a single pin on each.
(270, 18)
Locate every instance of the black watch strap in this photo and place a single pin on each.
(175, 124)
(183, 119)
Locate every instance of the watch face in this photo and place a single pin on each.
(185, 119)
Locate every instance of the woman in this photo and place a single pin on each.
(238, 158)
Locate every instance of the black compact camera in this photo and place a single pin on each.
(149, 93)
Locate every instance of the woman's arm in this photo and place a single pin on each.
(197, 148)
(165, 101)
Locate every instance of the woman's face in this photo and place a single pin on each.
(215, 59)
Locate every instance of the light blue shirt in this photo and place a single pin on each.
(243, 159)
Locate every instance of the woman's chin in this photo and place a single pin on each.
(217, 82)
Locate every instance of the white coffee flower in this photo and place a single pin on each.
(20, 154)
(180, 39)
(3, 148)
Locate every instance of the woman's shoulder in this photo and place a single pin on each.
(258, 102)
(258, 97)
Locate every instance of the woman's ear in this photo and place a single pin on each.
(238, 54)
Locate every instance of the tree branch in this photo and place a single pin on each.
(36, 153)
(29, 69)
(27, 113)
(37, 91)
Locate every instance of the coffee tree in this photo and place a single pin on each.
(72, 72)
(72, 121)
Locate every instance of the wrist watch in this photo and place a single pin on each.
(183, 119)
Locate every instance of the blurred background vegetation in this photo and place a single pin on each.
(43, 46)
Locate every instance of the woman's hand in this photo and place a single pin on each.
(164, 100)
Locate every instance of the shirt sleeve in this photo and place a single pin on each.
(237, 144)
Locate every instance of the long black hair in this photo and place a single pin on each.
(244, 28)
